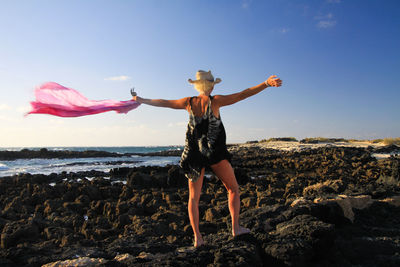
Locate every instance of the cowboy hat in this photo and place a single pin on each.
(202, 75)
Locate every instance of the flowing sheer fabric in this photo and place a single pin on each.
(55, 99)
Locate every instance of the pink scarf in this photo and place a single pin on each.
(55, 99)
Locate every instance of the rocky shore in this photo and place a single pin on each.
(328, 206)
(44, 153)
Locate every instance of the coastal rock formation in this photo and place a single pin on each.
(45, 153)
(323, 207)
(62, 154)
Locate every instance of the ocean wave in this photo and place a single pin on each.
(3, 167)
(48, 166)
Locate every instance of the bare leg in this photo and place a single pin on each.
(193, 208)
(225, 173)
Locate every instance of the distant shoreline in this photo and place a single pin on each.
(282, 143)
(263, 142)
(298, 145)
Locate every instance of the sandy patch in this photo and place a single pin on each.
(297, 146)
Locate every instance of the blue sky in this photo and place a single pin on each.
(339, 61)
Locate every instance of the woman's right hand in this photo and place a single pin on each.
(137, 98)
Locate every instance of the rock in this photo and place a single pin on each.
(69, 240)
(14, 206)
(387, 149)
(125, 258)
(170, 197)
(295, 252)
(324, 188)
(45, 153)
(237, 253)
(298, 241)
(388, 180)
(395, 201)
(211, 215)
(92, 192)
(139, 180)
(109, 210)
(122, 220)
(16, 232)
(126, 193)
(176, 177)
(146, 255)
(265, 199)
(165, 153)
(120, 172)
(83, 199)
(241, 176)
(249, 202)
(42, 224)
(53, 232)
(300, 201)
(256, 219)
(347, 203)
(81, 262)
(52, 205)
(74, 206)
(159, 179)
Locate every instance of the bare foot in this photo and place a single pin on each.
(198, 242)
(240, 231)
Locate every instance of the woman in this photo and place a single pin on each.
(206, 143)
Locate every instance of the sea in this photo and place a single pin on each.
(104, 164)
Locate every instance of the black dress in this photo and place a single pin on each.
(205, 143)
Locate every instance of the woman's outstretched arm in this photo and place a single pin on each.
(225, 100)
(176, 104)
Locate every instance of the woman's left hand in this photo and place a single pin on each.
(273, 81)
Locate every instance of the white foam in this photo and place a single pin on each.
(118, 181)
(3, 167)
(383, 155)
(48, 166)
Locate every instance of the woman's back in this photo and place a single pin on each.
(198, 105)
(205, 138)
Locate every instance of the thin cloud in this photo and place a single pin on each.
(5, 118)
(177, 124)
(283, 30)
(246, 3)
(4, 107)
(325, 21)
(334, 1)
(324, 24)
(23, 109)
(118, 78)
(324, 17)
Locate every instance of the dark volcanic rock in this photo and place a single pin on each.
(166, 153)
(329, 187)
(44, 153)
(387, 149)
(16, 232)
(147, 217)
(298, 241)
(176, 177)
(139, 180)
(120, 172)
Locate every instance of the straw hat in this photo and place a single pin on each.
(202, 76)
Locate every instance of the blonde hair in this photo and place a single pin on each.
(204, 86)
(205, 81)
